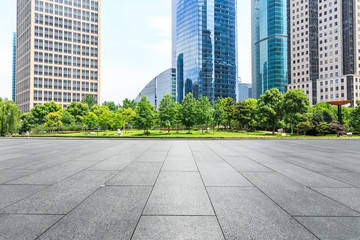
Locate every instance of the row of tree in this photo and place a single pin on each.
(290, 111)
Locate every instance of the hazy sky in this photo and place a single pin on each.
(135, 45)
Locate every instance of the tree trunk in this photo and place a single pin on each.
(273, 130)
(169, 130)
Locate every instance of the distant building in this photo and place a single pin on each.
(205, 48)
(58, 51)
(243, 91)
(269, 46)
(14, 67)
(156, 89)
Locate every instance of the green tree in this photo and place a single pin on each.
(203, 111)
(295, 103)
(167, 112)
(253, 111)
(305, 127)
(111, 105)
(218, 113)
(106, 120)
(91, 120)
(9, 116)
(355, 118)
(53, 120)
(128, 115)
(323, 128)
(98, 110)
(129, 104)
(27, 122)
(323, 106)
(320, 116)
(270, 108)
(229, 109)
(39, 112)
(118, 121)
(188, 112)
(78, 111)
(243, 114)
(90, 100)
(145, 115)
(67, 118)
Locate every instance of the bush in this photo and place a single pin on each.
(304, 127)
(323, 128)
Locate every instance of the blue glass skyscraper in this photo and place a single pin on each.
(269, 45)
(205, 48)
(14, 67)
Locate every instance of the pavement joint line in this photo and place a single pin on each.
(151, 191)
(34, 214)
(175, 215)
(207, 193)
(358, 212)
(266, 195)
(306, 216)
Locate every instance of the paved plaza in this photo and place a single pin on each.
(193, 190)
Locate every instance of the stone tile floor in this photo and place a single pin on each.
(154, 189)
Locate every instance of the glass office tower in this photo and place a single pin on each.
(205, 48)
(269, 45)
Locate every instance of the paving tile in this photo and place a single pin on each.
(348, 196)
(152, 156)
(221, 174)
(62, 197)
(179, 166)
(111, 213)
(10, 194)
(138, 173)
(208, 156)
(295, 198)
(349, 178)
(246, 213)
(179, 193)
(178, 228)
(244, 164)
(304, 176)
(9, 175)
(114, 163)
(25, 227)
(54, 174)
(333, 228)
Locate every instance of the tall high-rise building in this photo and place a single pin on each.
(269, 45)
(156, 89)
(326, 62)
(243, 91)
(58, 51)
(205, 51)
(13, 67)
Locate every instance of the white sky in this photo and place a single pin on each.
(135, 45)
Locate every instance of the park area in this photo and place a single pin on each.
(154, 189)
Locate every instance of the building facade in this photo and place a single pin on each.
(205, 48)
(156, 89)
(58, 51)
(13, 68)
(337, 74)
(243, 91)
(269, 45)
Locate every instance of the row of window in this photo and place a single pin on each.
(58, 96)
(41, 70)
(65, 48)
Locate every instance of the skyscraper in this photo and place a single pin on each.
(205, 51)
(58, 51)
(14, 67)
(325, 49)
(269, 45)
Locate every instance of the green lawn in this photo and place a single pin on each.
(183, 134)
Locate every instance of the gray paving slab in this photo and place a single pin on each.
(9, 175)
(208, 156)
(10, 194)
(347, 196)
(245, 164)
(333, 228)
(153, 156)
(138, 173)
(25, 227)
(178, 228)
(246, 213)
(110, 213)
(295, 198)
(118, 162)
(179, 193)
(304, 176)
(349, 178)
(179, 166)
(221, 174)
(62, 197)
(54, 174)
